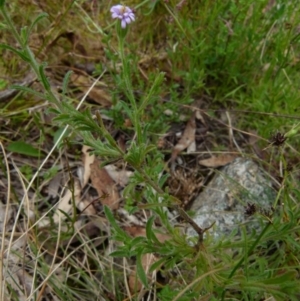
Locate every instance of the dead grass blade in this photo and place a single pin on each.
(4, 222)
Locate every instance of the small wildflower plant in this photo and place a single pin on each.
(211, 270)
(124, 13)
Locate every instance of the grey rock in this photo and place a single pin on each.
(224, 199)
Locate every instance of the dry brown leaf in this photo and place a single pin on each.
(98, 93)
(87, 159)
(217, 161)
(187, 138)
(104, 185)
(127, 123)
(121, 177)
(192, 148)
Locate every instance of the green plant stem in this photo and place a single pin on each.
(129, 89)
(27, 51)
(126, 73)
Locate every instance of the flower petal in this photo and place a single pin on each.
(114, 15)
(116, 9)
(127, 20)
(123, 23)
(132, 17)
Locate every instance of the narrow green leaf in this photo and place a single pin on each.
(149, 224)
(37, 19)
(281, 279)
(24, 35)
(58, 133)
(17, 52)
(127, 109)
(149, 230)
(43, 76)
(137, 241)
(68, 217)
(2, 2)
(140, 270)
(150, 148)
(66, 82)
(53, 111)
(157, 264)
(28, 90)
(114, 224)
(23, 148)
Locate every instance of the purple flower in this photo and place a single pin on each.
(124, 13)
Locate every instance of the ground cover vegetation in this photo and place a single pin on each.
(96, 181)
